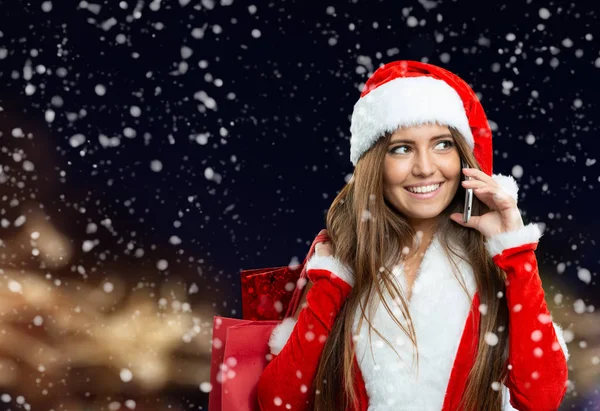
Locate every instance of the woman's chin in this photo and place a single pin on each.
(423, 217)
(424, 213)
(418, 211)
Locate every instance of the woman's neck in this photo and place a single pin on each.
(425, 230)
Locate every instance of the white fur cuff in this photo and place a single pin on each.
(333, 265)
(281, 335)
(503, 241)
(508, 183)
(561, 340)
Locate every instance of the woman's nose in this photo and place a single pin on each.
(423, 165)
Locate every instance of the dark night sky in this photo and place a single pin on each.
(246, 107)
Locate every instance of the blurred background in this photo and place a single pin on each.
(150, 150)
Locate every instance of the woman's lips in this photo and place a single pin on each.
(425, 196)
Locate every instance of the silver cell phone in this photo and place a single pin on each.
(468, 200)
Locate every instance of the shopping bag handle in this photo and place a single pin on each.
(296, 297)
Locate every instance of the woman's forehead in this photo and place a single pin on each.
(423, 132)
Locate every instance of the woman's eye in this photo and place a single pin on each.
(398, 150)
(446, 144)
(442, 145)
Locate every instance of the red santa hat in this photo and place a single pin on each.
(409, 93)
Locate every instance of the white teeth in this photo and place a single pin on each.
(423, 189)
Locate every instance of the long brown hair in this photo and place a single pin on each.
(367, 234)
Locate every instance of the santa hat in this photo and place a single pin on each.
(410, 93)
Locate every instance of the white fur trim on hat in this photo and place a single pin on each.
(333, 265)
(281, 334)
(528, 234)
(405, 101)
(508, 183)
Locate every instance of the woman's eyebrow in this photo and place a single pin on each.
(412, 141)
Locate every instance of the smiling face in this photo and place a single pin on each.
(422, 172)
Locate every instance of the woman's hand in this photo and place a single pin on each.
(504, 215)
(325, 248)
(321, 249)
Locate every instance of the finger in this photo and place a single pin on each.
(472, 223)
(479, 175)
(497, 195)
(323, 245)
(473, 184)
(480, 190)
(323, 249)
(494, 192)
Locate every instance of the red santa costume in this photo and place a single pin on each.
(445, 318)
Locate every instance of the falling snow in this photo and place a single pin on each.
(154, 149)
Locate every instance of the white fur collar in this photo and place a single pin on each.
(439, 308)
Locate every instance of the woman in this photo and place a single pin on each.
(408, 307)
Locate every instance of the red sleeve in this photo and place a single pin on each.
(538, 373)
(286, 383)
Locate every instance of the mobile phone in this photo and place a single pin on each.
(468, 200)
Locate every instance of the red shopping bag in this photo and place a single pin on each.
(267, 292)
(240, 350)
(239, 356)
